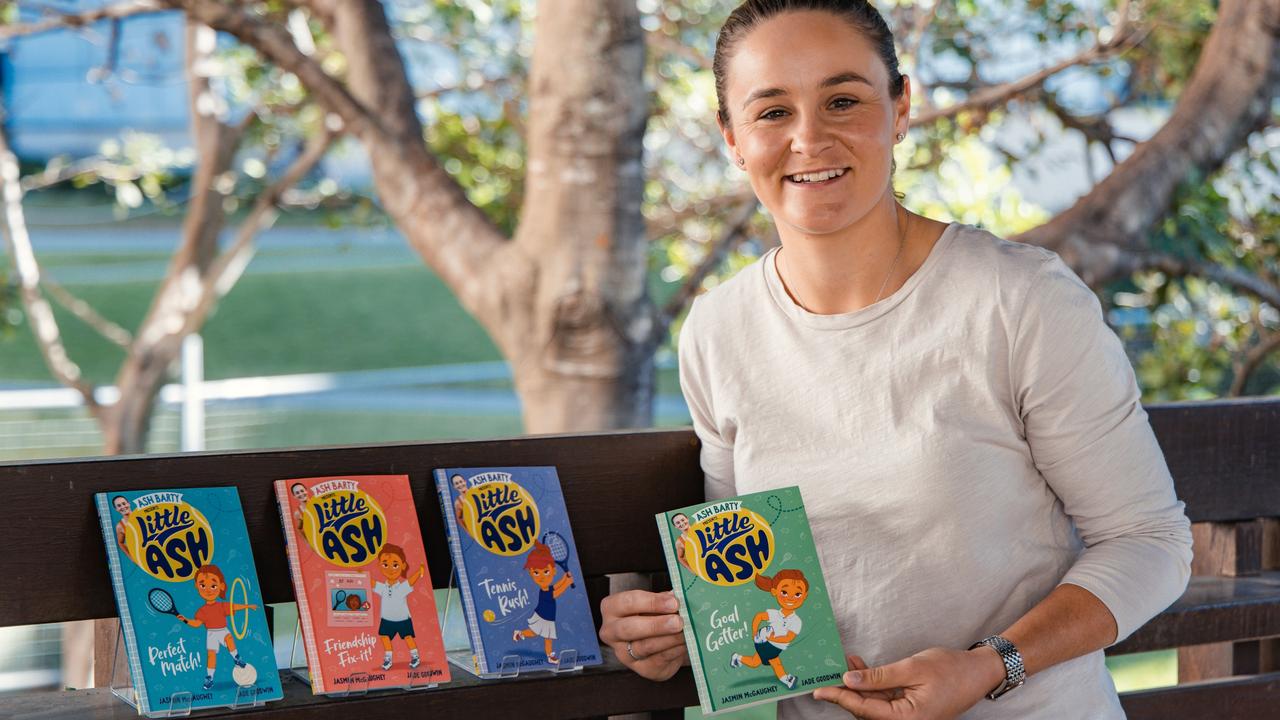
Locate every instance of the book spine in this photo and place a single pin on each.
(690, 637)
(314, 666)
(122, 604)
(460, 571)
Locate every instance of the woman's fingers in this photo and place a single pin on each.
(647, 621)
(858, 703)
(640, 627)
(649, 647)
(638, 602)
(637, 614)
(661, 665)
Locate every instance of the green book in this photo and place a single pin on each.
(757, 617)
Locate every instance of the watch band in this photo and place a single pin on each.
(1014, 674)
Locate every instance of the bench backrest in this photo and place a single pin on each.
(1225, 458)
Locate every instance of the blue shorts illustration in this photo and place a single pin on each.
(767, 651)
(392, 628)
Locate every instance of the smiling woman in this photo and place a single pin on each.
(988, 499)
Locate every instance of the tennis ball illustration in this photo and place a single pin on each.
(489, 616)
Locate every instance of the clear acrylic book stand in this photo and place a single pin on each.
(177, 704)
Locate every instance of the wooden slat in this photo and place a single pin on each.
(1213, 609)
(1224, 456)
(1247, 698)
(614, 484)
(593, 692)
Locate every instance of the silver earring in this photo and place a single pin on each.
(742, 162)
(900, 136)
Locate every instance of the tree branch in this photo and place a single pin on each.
(1128, 262)
(670, 221)
(77, 20)
(228, 268)
(376, 106)
(275, 43)
(44, 325)
(87, 314)
(1228, 97)
(988, 97)
(1247, 366)
(716, 253)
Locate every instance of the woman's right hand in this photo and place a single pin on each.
(648, 622)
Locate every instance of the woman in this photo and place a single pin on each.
(966, 430)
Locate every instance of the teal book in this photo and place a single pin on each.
(757, 617)
(191, 615)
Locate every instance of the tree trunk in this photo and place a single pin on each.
(566, 301)
(578, 344)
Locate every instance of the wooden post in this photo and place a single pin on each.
(1232, 549)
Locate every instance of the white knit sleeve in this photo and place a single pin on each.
(716, 455)
(1091, 440)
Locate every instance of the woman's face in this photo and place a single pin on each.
(121, 505)
(808, 98)
(299, 493)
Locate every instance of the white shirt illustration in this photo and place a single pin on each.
(781, 625)
(395, 605)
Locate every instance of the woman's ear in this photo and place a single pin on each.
(902, 108)
(729, 142)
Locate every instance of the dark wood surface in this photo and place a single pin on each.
(1224, 456)
(613, 484)
(1247, 698)
(1213, 609)
(593, 692)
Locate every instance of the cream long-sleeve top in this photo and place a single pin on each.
(963, 446)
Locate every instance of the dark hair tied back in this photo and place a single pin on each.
(858, 13)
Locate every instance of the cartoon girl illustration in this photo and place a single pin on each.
(774, 630)
(681, 522)
(459, 484)
(121, 504)
(211, 584)
(299, 492)
(395, 602)
(542, 569)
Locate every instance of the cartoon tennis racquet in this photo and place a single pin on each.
(339, 599)
(559, 551)
(162, 602)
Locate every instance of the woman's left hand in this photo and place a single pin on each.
(936, 684)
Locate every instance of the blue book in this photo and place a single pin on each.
(525, 604)
(190, 605)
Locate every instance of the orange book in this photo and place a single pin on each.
(365, 602)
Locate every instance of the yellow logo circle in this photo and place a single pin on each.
(345, 527)
(170, 541)
(501, 517)
(730, 548)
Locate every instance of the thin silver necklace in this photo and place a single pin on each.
(901, 242)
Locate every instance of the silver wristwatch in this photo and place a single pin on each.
(1014, 675)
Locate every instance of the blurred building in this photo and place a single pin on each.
(67, 91)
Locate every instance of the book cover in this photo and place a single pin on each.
(757, 618)
(518, 571)
(190, 606)
(365, 601)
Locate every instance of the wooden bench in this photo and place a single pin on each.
(1225, 457)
